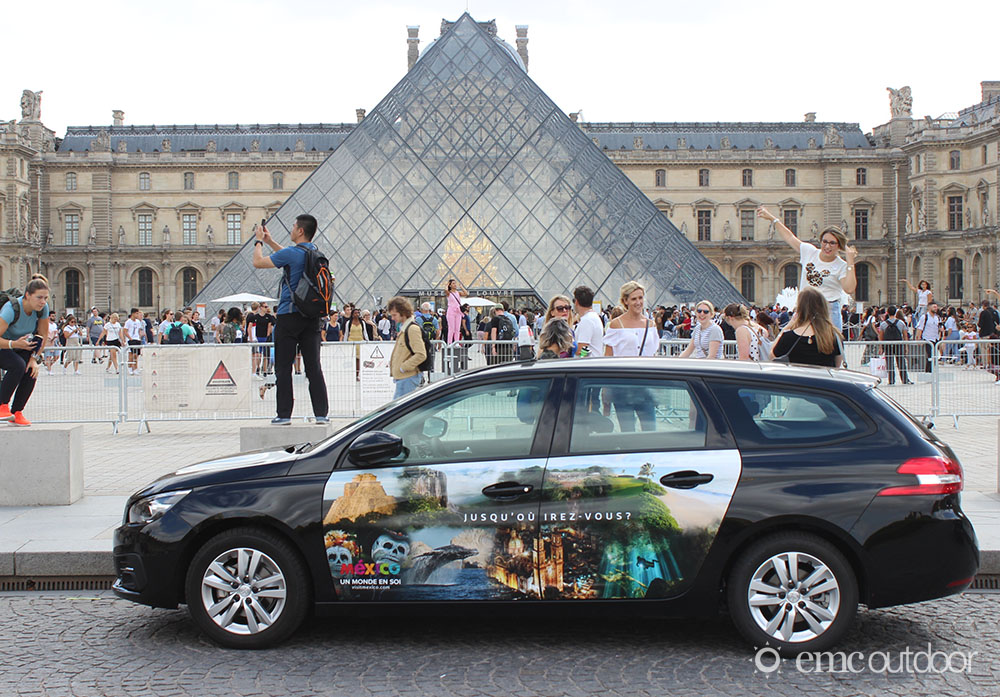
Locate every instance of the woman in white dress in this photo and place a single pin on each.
(631, 334)
(706, 335)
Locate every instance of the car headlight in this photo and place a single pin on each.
(153, 507)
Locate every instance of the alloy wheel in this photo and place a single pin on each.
(243, 591)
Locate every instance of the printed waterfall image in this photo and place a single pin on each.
(592, 527)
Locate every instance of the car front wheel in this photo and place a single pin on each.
(794, 592)
(247, 588)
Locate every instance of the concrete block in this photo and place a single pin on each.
(268, 437)
(6, 562)
(41, 465)
(989, 561)
(65, 558)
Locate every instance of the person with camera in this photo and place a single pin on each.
(23, 323)
(293, 332)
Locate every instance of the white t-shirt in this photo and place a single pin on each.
(164, 327)
(135, 329)
(923, 296)
(113, 331)
(384, 325)
(629, 341)
(590, 331)
(824, 276)
(929, 327)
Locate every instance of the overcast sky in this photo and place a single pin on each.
(308, 61)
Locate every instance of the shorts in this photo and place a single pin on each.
(134, 342)
(113, 342)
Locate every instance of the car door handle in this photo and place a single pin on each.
(507, 490)
(685, 479)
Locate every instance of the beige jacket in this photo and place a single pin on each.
(403, 363)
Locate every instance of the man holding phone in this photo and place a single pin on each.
(293, 331)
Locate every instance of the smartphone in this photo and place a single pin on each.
(263, 222)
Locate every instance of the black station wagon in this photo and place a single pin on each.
(782, 495)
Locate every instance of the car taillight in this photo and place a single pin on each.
(935, 476)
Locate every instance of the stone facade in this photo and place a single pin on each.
(143, 216)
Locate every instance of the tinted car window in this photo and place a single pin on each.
(637, 414)
(770, 416)
(492, 421)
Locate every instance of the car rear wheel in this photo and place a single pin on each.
(247, 588)
(794, 592)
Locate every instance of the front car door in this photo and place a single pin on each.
(634, 492)
(454, 516)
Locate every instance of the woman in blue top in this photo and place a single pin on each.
(23, 323)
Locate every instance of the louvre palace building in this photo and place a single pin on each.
(466, 169)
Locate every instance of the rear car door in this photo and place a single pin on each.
(635, 489)
(449, 518)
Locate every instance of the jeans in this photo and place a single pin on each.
(405, 386)
(295, 333)
(835, 316)
(17, 381)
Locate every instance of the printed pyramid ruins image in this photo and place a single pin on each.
(466, 169)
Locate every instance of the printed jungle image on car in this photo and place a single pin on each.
(600, 527)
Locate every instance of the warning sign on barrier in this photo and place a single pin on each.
(377, 386)
(181, 380)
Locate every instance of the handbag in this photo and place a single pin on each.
(786, 358)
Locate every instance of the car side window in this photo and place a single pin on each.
(622, 415)
(769, 416)
(492, 421)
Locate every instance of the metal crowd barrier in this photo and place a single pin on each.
(175, 383)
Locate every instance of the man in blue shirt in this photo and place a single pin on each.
(293, 331)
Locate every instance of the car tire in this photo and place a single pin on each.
(810, 612)
(247, 588)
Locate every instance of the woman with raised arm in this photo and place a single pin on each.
(455, 294)
(822, 268)
(925, 296)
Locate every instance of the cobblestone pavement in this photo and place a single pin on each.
(66, 644)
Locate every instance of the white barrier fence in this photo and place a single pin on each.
(236, 381)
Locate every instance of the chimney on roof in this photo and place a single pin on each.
(522, 43)
(360, 114)
(118, 117)
(412, 44)
(991, 89)
(811, 117)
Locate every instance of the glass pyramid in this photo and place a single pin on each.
(466, 169)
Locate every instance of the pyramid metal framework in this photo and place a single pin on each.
(466, 169)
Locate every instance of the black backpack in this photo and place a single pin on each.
(891, 332)
(311, 295)
(10, 296)
(506, 331)
(175, 334)
(428, 363)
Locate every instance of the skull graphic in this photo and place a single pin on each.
(390, 548)
(337, 556)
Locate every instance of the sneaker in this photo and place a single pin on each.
(322, 420)
(5, 414)
(19, 419)
(279, 421)
(78, 373)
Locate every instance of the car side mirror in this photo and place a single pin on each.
(374, 448)
(434, 427)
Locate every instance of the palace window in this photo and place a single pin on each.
(70, 181)
(789, 177)
(145, 229)
(956, 277)
(234, 181)
(277, 180)
(702, 177)
(791, 219)
(747, 223)
(791, 275)
(862, 272)
(72, 228)
(189, 284)
(861, 176)
(748, 177)
(144, 181)
(704, 226)
(189, 181)
(145, 277)
(234, 228)
(861, 224)
(955, 159)
(73, 288)
(986, 155)
(748, 282)
(189, 228)
(955, 212)
(661, 178)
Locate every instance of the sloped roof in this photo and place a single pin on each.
(234, 138)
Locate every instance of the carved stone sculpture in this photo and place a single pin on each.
(254, 145)
(814, 229)
(165, 145)
(102, 143)
(812, 143)
(682, 143)
(637, 143)
(986, 216)
(210, 234)
(900, 102)
(909, 224)
(210, 146)
(769, 143)
(300, 145)
(832, 138)
(968, 218)
(121, 236)
(727, 232)
(92, 236)
(725, 143)
(166, 235)
(31, 105)
(921, 220)
(122, 146)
